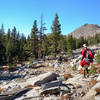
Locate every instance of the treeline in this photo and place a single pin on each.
(15, 47)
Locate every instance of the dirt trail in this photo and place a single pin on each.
(79, 86)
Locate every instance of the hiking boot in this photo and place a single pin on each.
(84, 76)
(88, 75)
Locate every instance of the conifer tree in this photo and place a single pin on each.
(2, 29)
(34, 40)
(8, 47)
(45, 45)
(70, 43)
(22, 52)
(56, 31)
(8, 35)
(2, 53)
(2, 45)
(9, 51)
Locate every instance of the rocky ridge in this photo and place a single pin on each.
(50, 80)
(87, 30)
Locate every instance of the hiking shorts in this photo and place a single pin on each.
(83, 63)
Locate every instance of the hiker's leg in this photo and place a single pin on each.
(84, 72)
(87, 70)
(86, 67)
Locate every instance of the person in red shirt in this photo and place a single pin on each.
(84, 61)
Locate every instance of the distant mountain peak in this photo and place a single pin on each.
(86, 30)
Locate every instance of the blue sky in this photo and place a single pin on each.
(72, 13)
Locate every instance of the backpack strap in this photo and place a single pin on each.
(86, 50)
(87, 55)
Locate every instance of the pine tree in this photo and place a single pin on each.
(8, 46)
(90, 41)
(70, 43)
(56, 31)
(34, 40)
(2, 29)
(9, 52)
(41, 38)
(15, 38)
(96, 40)
(2, 45)
(22, 53)
(8, 35)
(81, 40)
(2, 53)
(2, 33)
(45, 45)
(63, 44)
(27, 47)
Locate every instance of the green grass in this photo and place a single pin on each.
(98, 58)
(92, 70)
(74, 68)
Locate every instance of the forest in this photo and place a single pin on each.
(16, 47)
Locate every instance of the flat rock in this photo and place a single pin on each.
(51, 84)
(52, 97)
(98, 79)
(97, 97)
(46, 77)
(33, 94)
(51, 87)
(54, 87)
(89, 95)
(97, 85)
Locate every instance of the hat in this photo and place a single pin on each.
(84, 45)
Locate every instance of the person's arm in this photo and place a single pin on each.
(82, 57)
(83, 52)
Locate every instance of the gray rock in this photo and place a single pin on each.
(97, 85)
(11, 88)
(33, 94)
(78, 86)
(90, 94)
(21, 73)
(46, 77)
(82, 93)
(51, 84)
(98, 79)
(79, 67)
(97, 97)
(51, 87)
(52, 97)
(54, 87)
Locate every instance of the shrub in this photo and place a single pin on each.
(74, 68)
(31, 61)
(65, 58)
(98, 58)
(92, 70)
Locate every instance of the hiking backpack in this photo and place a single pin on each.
(90, 55)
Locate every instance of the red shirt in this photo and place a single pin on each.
(83, 62)
(84, 53)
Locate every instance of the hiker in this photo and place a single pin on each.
(84, 61)
(43, 57)
(60, 59)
